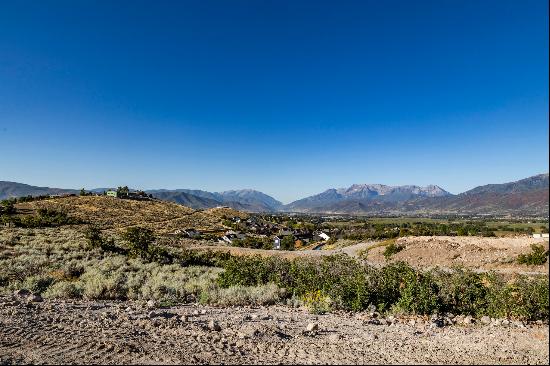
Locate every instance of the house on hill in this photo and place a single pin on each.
(188, 233)
(230, 237)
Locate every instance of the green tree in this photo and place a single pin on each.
(7, 207)
(93, 235)
(139, 240)
(462, 231)
(123, 191)
(287, 243)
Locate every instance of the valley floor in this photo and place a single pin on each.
(84, 332)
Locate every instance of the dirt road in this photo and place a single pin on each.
(129, 333)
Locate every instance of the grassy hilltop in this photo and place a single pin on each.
(110, 213)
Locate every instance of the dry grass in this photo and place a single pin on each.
(58, 263)
(365, 252)
(114, 214)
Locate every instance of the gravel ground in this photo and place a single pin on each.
(479, 253)
(57, 332)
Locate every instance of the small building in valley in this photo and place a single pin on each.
(277, 242)
(320, 236)
(324, 236)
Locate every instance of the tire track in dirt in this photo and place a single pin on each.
(114, 332)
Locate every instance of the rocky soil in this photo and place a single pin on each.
(51, 332)
(498, 254)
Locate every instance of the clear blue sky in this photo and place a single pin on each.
(287, 97)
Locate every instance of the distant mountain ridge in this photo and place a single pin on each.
(525, 196)
(244, 199)
(523, 185)
(14, 189)
(367, 192)
(529, 196)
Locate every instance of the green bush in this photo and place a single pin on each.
(537, 256)
(419, 294)
(93, 236)
(464, 291)
(7, 207)
(37, 284)
(391, 249)
(96, 240)
(523, 297)
(397, 287)
(208, 258)
(140, 244)
(255, 243)
(139, 241)
(317, 302)
(287, 243)
(63, 290)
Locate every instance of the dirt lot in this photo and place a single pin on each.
(477, 253)
(472, 252)
(80, 332)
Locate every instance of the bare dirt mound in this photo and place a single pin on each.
(472, 252)
(129, 333)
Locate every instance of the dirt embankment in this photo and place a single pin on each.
(56, 332)
(479, 253)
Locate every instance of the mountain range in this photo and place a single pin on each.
(364, 193)
(244, 199)
(526, 196)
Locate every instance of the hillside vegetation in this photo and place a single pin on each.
(111, 213)
(64, 262)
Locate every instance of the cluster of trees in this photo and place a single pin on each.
(522, 230)
(287, 243)
(7, 207)
(29, 198)
(44, 218)
(394, 230)
(254, 243)
(138, 242)
(124, 192)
